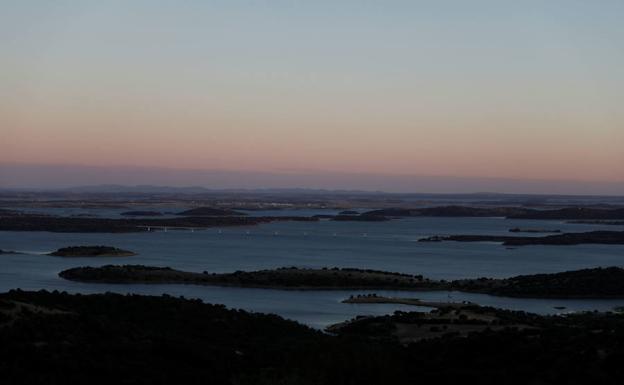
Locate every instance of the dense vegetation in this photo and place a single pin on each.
(590, 283)
(585, 283)
(591, 237)
(213, 217)
(571, 213)
(599, 222)
(447, 211)
(91, 251)
(523, 230)
(124, 225)
(278, 278)
(56, 338)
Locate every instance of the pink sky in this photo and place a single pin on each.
(404, 90)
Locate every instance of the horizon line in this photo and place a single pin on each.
(37, 176)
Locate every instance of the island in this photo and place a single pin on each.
(281, 278)
(91, 251)
(585, 283)
(523, 230)
(591, 237)
(374, 298)
(469, 238)
(447, 211)
(359, 218)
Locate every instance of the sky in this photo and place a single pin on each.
(522, 90)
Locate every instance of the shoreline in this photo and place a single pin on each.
(562, 239)
(405, 301)
(57, 224)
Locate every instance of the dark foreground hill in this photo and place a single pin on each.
(56, 338)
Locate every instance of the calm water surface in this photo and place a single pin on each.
(390, 246)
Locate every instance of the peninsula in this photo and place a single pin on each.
(374, 298)
(586, 283)
(281, 278)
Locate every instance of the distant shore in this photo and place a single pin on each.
(568, 213)
(130, 225)
(207, 217)
(592, 237)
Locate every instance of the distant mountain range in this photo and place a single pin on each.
(156, 189)
(162, 180)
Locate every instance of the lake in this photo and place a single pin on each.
(389, 246)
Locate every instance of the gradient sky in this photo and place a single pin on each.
(514, 89)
